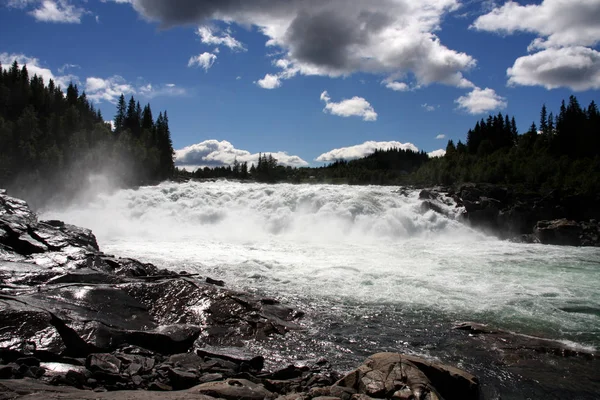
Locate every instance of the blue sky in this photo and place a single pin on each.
(302, 78)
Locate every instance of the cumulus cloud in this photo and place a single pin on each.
(566, 32)
(337, 37)
(480, 101)
(34, 67)
(575, 67)
(428, 107)
(397, 86)
(362, 150)
(110, 89)
(269, 82)
(441, 136)
(208, 36)
(214, 153)
(437, 153)
(56, 11)
(354, 107)
(558, 23)
(204, 60)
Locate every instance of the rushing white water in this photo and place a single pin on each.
(347, 245)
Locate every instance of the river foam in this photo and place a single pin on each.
(351, 246)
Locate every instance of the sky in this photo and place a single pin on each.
(311, 81)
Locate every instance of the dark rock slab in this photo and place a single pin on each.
(34, 390)
(235, 389)
(103, 362)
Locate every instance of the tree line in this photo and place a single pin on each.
(52, 140)
(560, 151)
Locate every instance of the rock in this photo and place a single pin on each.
(215, 282)
(186, 360)
(29, 361)
(210, 378)
(159, 386)
(235, 389)
(390, 374)
(429, 205)
(180, 379)
(8, 371)
(560, 232)
(247, 362)
(136, 364)
(427, 194)
(103, 362)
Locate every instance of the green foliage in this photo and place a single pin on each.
(563, 153)
(53, 141)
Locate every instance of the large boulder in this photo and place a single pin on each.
(392, 375)
(561, 232)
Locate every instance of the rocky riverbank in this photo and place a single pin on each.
(76, 323)
(556, 218)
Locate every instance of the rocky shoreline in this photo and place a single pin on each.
(76, 323)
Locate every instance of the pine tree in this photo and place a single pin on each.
(121, 114)
(544, 121)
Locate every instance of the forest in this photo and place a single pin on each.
(53, 140)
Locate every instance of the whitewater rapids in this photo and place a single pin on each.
(351, 253)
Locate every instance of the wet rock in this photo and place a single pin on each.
(215, 282)
(235, 389)
(103, 362)
(186, 360)
(427, 194)
(246, 361)
(431, 206)
(558, 232)
(27, 326)
(135, 364)
(386, 375)
(180, 379)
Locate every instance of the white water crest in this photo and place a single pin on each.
(364, 246)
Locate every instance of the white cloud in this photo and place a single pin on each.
(441, 136)
(354, 107)
(214, 153)
(97, 89)
(480, 101)
(397, 86)
(577, 68)
(34, 68)
(428, 107)
(60, 11)
(566, 30)
(362, 150)
(67, 66)
(437, 153)
(204, 60)
(558, 23)
(110, 89)
(111, 123)
(237, 78)
(269, 82)
(337, 37)
(207, 36)
(170, 89)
